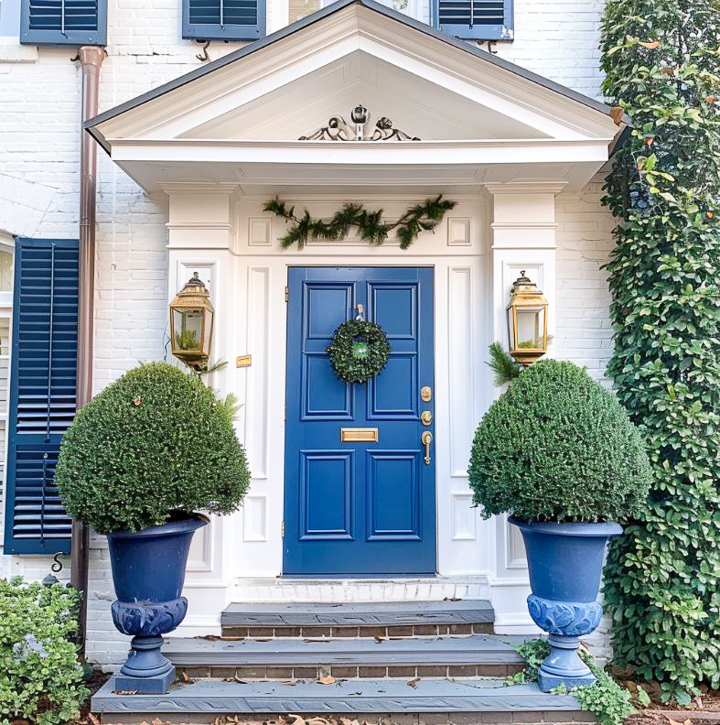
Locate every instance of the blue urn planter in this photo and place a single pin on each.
(148, 568)
(565, 563)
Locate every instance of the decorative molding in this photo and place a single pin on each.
(202, 187)
(461, 334)
(338, 129)
(527, 187)
(259, 232)
(224, 227)
(458, 234)
(515, 556)
(256, 381)
(464, 526)
(202, 544)
(524, 225)
(255, 517)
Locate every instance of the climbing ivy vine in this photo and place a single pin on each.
(662, 65)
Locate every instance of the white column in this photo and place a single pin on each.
(523, 239)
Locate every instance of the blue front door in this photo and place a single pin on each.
(358, 507)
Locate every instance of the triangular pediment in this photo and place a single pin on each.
(430, 86)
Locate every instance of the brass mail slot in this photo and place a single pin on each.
(359, 434)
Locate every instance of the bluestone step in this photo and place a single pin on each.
(468, 656)
(370, 619)
(478, 701)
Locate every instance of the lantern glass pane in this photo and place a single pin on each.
(207, 341)
(188, 329)
(531, 328)
(511, 327)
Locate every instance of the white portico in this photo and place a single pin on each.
(499, 141)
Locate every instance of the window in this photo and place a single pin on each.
(223, 19)
(476, 19)
(63, 22)
(43, 371)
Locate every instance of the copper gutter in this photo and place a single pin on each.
(91, 58)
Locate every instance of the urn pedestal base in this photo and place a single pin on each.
(147, 671)
(563, 665)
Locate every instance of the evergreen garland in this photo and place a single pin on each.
(370, 224)
(662, 587)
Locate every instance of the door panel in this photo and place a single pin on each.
(358, 507)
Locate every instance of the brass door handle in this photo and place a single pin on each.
(426, 440)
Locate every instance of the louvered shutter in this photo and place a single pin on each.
(223, 19)
(476, 19)
(64, 22)
(43, 374)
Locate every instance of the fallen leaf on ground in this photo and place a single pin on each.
(379, 640)
(326, 680)
(94, 720)
(413, 683)
(452, 599)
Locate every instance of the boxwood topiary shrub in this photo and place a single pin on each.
(40, 677)
(154, 444)
(557, 446)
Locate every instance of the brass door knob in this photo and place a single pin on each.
(426, 440)
(426, 417)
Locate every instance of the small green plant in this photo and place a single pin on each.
(533, 651)
(606, 699)
(187, 340)
(155, 444)
(40, 677)
(503, 365)
(557, 446)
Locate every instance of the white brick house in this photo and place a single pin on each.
(181, 189)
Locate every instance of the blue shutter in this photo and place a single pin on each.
(43, 377)
(223, 19)
(476, 19)
(63, 22)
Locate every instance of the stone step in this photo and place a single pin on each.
(372, 619)
(426, 701)
(446, 656)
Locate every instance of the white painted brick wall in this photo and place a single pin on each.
(584, 239)
(39, 143)
(559, 40)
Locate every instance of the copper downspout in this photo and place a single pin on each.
(91, 58)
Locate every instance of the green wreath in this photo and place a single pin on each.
(359, 351)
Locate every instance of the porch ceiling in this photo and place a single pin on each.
(480, 121)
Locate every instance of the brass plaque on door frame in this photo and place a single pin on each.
(367, 435)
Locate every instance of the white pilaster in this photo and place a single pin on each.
(523, 238)
(202, 239)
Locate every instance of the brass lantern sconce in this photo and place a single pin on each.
(191, 324)
(527, 321)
